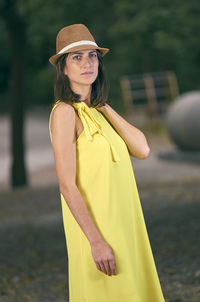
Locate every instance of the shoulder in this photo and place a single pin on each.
(63, 114)
(63, 111)
(63, 108)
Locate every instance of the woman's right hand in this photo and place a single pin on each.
(104, 257)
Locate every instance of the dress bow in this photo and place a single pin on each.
(91, 126)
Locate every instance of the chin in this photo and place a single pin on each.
(88, 82)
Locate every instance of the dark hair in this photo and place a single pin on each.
(62, 89)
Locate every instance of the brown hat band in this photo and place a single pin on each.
(79, 43)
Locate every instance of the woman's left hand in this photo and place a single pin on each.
(102, 108)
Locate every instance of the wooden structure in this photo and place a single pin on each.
(150, 91)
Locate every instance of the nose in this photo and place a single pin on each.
(86, 62)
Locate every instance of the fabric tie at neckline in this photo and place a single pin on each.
(91, 126)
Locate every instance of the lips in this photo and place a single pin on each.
(87, 73)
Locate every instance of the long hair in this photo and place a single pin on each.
(63, 91)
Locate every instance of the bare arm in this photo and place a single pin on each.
(134, 138)
(64, 148)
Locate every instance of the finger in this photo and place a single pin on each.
(98, 266)
(107, 266)
(102, 267)
(113, 267)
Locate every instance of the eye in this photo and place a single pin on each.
(93, 55)
(77, 57)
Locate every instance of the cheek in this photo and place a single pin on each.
(70, 70)
(66, 70)
(97, 67)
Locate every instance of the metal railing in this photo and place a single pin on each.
(150, 91)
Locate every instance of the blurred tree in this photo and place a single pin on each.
(16, 27)
(149, 35)
(156, 35)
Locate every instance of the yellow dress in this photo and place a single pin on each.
(107, 184)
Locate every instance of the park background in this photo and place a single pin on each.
(143, 36)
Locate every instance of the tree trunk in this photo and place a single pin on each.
(18, 170)
(17, 33)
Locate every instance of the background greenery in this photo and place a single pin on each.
(145, 35)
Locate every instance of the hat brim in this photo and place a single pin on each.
(53, 59)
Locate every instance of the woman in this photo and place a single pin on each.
(109, 254)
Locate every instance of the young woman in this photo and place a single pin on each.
(109, 253)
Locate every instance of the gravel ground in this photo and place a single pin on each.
(33, 250)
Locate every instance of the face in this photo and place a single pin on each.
(81, 67)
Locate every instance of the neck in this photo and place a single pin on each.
(83, 91)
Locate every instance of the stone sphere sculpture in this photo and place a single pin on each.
(183, 121)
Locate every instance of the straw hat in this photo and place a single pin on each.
(73, 38)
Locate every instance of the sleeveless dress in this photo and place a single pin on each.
(106, 181)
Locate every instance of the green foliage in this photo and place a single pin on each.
(142, 36)
(158, 35)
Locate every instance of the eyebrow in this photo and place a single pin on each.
(80, 52)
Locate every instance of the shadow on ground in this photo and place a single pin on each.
(33, 249)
